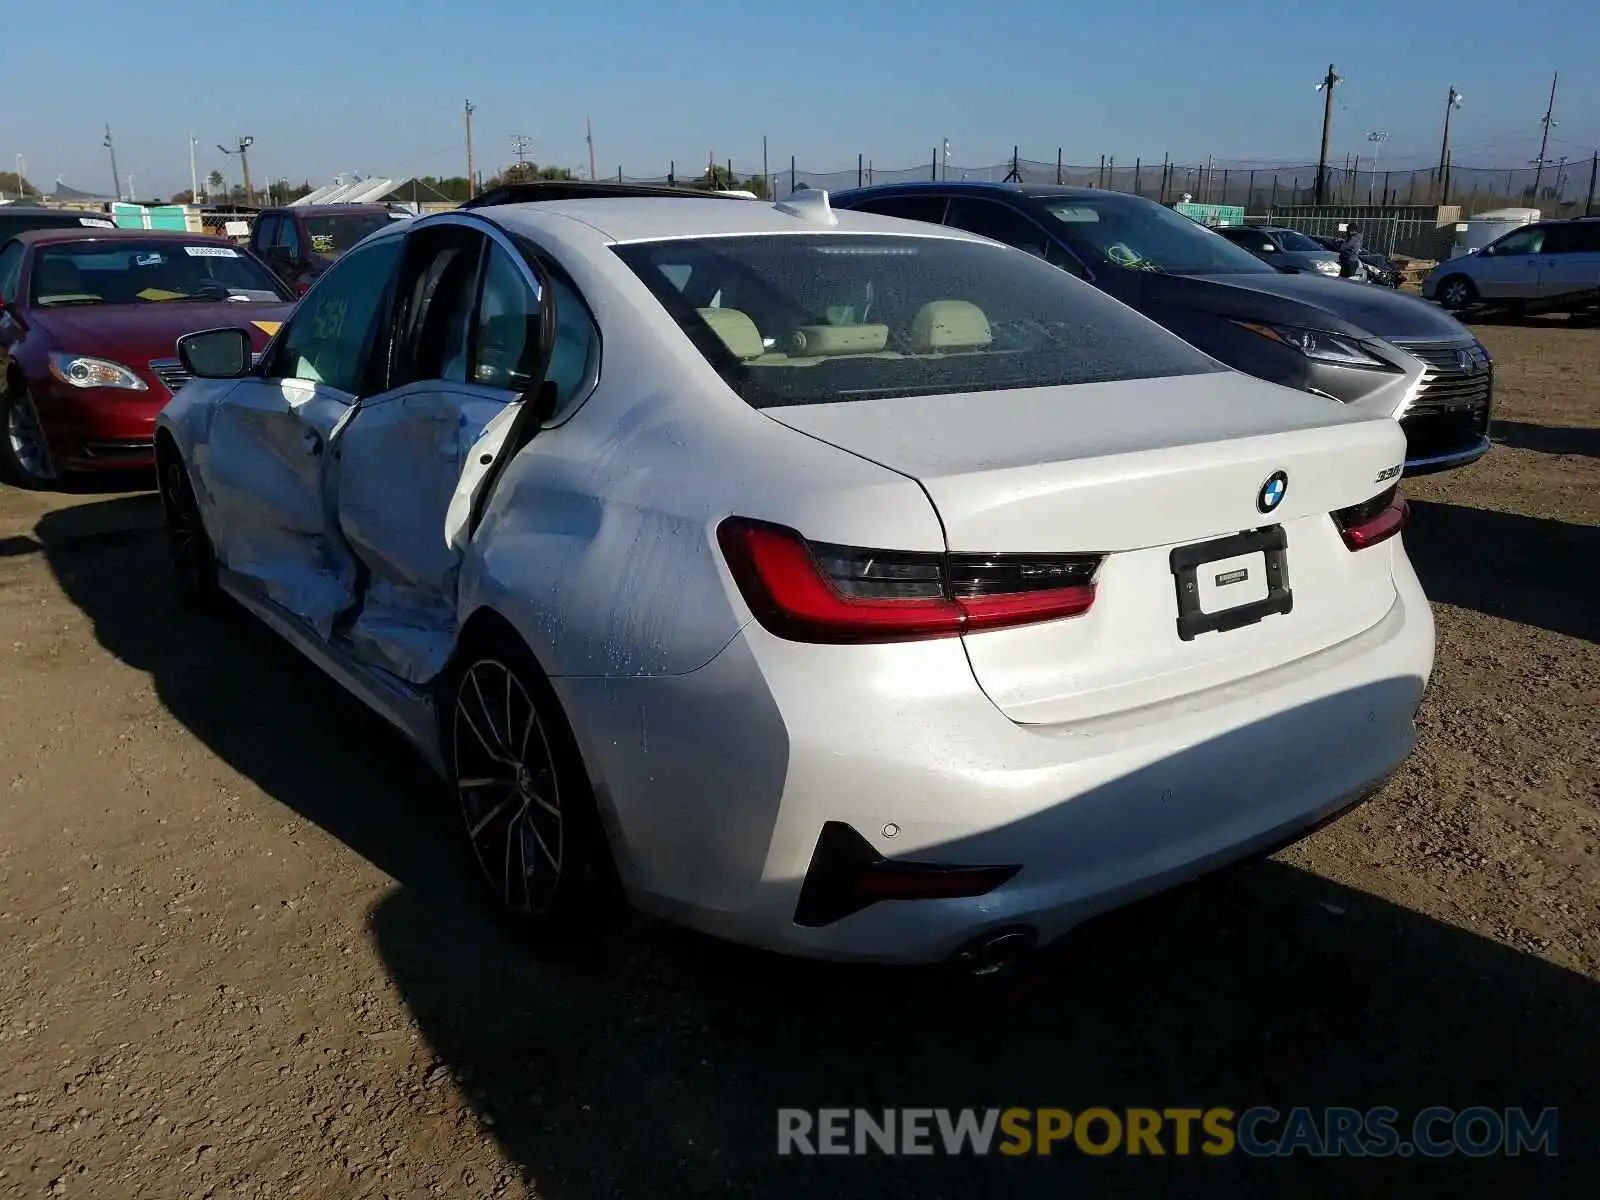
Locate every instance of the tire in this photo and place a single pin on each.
(25, 460)
(194, 559)
(526, 803)
(1457, 292)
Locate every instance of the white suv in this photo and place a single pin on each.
(1552, 265)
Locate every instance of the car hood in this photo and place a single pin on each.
(1341, 305)
(141, 332)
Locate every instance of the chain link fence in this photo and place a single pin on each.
(1560, 188)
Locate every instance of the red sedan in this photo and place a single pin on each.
(89, 321)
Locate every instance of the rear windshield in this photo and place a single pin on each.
(818, 318)
(336, 233)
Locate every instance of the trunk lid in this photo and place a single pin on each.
(1135, 470)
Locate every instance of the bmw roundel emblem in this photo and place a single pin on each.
(1272, 491)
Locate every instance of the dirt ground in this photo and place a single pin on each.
(243, 955)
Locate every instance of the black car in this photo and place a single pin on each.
(19, 218)
(1384, 351)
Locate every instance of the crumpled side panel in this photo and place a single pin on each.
(400, 464)
(264, 488)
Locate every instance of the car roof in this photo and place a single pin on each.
(979, 185)
(631, 219)
(88, 233)
(318, 209)
(44, 210)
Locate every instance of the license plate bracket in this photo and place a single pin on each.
(1271, 542)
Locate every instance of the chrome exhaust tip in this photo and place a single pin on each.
(996, 952)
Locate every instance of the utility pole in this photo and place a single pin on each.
(1549, 122)
(244, 164)
(521, 143)
(1329, 81)
(588, 136)
(1452, 102)
(472, 179)
(194, 175)
(116, 180)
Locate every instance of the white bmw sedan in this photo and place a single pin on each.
(842, 585)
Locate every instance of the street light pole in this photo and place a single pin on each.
(1377, 137)
(22, 188)
(194, 177)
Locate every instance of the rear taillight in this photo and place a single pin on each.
(1372, 521)
(816, 592)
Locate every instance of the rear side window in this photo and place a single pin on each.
(821, 318)
(908, 208)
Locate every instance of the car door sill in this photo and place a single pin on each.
(408, 709)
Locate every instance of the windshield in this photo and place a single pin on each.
(1297, 242)
(126, 271)
(1145, 236)
(337, 232)
(822, 318)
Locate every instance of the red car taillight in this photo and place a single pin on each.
(816, 592)
(1372, 521)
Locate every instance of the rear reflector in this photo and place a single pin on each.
(816, 592)
(847, 875)
(1372, 521)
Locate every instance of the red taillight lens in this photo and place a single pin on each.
(814, 592)
(1372, 521)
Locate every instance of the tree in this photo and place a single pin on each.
(183, 197)
(11, 185)
(215, 183)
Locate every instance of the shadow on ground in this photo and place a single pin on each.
(1548, 439)
(1532, 570)
(654, 1065)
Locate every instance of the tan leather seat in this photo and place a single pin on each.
(949, 326)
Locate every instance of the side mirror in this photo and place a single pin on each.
(215, 353)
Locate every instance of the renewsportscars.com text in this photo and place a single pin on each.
(1258, 1132)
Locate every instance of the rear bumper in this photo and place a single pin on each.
(717, 785)
(101, 429)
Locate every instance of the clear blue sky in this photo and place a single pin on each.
(377, 86)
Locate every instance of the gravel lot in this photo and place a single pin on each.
(244, 956)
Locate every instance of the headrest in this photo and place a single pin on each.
(815, 340)
(60, 276)
(949, 325)
(737, 331)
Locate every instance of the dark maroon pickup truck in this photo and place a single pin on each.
(301, 242)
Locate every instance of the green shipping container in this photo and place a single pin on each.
(160, 216)
(1212, 214)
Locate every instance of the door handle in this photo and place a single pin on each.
(313, 442)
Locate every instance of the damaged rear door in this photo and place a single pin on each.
(471, 345)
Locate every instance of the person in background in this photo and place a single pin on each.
(1350, 252)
